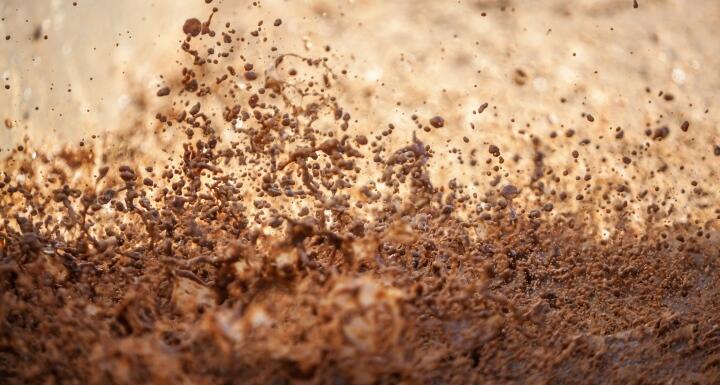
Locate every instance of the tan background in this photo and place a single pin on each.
(434, 57)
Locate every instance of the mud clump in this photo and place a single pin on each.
(437, 122)
(283, 244)
(192, 27)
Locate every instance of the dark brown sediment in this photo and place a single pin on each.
(285, 244)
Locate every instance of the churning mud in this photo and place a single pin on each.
(277, 234)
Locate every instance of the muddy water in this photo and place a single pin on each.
(274, 222)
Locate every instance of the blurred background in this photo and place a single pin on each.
(71, 69)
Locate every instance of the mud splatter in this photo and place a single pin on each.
(283, 244)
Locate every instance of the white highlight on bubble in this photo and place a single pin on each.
(679, 76)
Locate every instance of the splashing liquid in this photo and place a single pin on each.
(281, 243)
